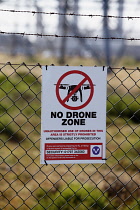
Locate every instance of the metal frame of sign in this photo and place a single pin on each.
(73, 121)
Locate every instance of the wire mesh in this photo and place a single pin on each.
(25, 184)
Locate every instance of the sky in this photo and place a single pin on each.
(24, 22)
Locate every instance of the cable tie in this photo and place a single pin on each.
(45, 162)
(109, 69)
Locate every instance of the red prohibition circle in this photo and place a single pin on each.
(86, 77)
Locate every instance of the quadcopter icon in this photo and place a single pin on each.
(70, 88)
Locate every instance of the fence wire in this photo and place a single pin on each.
(69, 14)
(69, 36)
(25, 184)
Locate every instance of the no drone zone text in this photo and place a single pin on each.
(74, 118)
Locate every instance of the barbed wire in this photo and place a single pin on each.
(40, 65)
(69, 14)
(69, 36)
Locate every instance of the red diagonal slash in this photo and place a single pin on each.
(74, 90)
(63, 101)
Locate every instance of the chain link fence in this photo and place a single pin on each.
(26, 184)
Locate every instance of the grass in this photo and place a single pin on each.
(73, 197)
(126, 107)
(27, 184)
(71, 61)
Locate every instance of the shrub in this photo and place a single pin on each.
(126, 107)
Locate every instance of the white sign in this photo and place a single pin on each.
(73, 114)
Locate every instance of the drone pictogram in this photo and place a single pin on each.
(69, 88)
(74, 90)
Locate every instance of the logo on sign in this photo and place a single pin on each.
(69, 90)
(96, 150)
